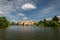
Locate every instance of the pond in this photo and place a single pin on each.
(29, 33)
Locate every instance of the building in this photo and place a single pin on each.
(26, 22)
(59, 18)
(20, 22)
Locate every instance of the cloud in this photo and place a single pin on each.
(49, 19)
(48, 10)
(58, 16)
(43, 13)
(21, 14)
(1, 12)
(13, 20)
(25, 18)
(28, 6)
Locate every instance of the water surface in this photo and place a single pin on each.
(29, 33)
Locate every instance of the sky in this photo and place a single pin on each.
(15, 10)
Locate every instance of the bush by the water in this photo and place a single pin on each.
(3, 22)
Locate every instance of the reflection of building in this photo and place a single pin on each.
(26, 22)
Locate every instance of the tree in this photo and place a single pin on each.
(55, 18)
(45, 23)
(44, 20)
(13, 23)
(3, 22)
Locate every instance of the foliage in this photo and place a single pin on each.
(49, 23)
(4, 22)
(55, 18)
(13, 23)
(40, 23)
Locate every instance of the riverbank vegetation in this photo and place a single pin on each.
(13, 23)
(4, 22)
(54, 22)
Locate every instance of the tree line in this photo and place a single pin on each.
(54, 22)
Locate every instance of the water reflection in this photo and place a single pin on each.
(29, 33)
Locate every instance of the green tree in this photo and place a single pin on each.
(55, 18)
(45, 22)
(13, 23)
(3, 22)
